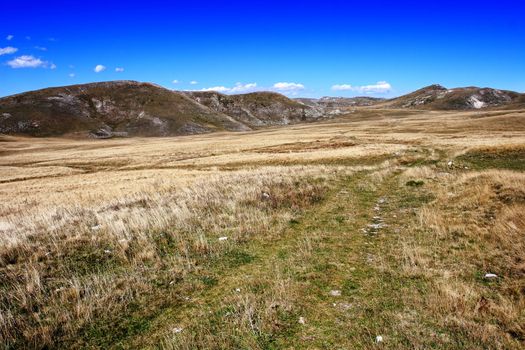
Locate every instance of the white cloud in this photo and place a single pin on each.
(41, 48)
(217, 89)
(119, 69)
(283, 86)
(342, 87)
(244, 87)
(71, 75)
(237, 89)
(380, 87)
(194, 82)
(99, 68)
(10, 37)
(28, 61)
(175, 81)
(8, 50)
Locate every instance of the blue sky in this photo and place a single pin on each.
(307, 48)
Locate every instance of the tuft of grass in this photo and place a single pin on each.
(415, 183)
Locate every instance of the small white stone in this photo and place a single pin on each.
(95, 228)
(379, 339)
(107, 251)
(490, 275)
(335, 293)
(450, 163)
(223, 238)
(177, 329)
(238, 290)
(302, 320)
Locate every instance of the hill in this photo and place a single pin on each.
(340, 102)
(258, 108)
(438, 97)
(130, 108)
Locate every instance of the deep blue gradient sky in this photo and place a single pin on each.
(313, 44)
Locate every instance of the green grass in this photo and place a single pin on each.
(511, 158)
(253, 294)
(338, 261)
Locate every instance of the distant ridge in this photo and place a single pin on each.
(340, 102)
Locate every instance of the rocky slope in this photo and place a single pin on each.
(258, 108)
(340, 102)
(129, 108)
(440, 98)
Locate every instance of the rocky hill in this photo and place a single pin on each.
(129, 108)
(340, 102)
(440, 98)
(258, 108)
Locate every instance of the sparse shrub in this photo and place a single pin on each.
(415, 183)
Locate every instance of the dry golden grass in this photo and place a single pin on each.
(474, 227)
(100, 235)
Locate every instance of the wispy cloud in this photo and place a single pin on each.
(342, 87)
(380, 87)
(194, 82)
(71, 75)
(238, 88)
(28, 61)
(119, 69)
(10, 37)
(288, 87)
(99, 68)
(41, 48)
(175, 81)
(8, 50)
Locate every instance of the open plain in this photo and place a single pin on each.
(381, 227)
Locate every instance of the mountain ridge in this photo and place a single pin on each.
(131, 108)
(127, 108)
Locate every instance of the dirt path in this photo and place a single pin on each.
(318, 285)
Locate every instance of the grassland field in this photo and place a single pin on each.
(377, 229)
